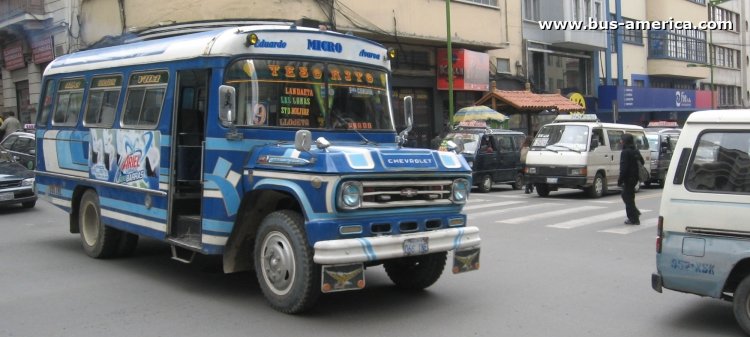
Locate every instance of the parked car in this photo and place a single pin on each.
(16, 182)
(661, 142)
(493, 154)
(22, 147)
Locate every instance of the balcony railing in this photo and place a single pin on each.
(13, 8)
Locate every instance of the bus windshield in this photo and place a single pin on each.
(305, 94)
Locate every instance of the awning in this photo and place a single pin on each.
(527, 101)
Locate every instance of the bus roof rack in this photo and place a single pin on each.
(576, 118)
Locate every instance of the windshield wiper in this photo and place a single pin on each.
(566, 147)
(365, 141)
(548, 149)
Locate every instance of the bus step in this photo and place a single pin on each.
(182, 254)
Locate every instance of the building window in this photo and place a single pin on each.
(577, 10)
(725, 57)
(492, 3)
(678, 44)
(639, 83)
(411, 60)
(503, 66)
(630, 36)
(587, 8)
(531, 10)
(598, 10)
(702, 2)
(729, 95)
(720, 14)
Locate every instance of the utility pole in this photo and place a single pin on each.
(449, 56)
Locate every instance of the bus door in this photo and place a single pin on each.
(188, 135)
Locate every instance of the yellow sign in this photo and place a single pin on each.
(577, 99)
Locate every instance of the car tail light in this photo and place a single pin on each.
(659, 234)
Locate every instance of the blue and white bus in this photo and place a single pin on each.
(273, 146)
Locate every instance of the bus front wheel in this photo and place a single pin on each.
(97, 239)
(284, 265)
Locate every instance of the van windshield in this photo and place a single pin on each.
(557, 137)
(469, 140)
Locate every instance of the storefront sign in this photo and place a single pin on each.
(653, 99)
(577, 98)
(42, 50)
(471, 70)
(13, 57)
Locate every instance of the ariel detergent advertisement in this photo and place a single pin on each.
(126, 157)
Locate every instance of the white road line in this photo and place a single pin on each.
(627, 229)
(605, 201)
(472, 200)
(593, 219)
(505, 210)
(494, 204)
(536, 216)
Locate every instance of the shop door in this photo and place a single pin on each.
(23, 103)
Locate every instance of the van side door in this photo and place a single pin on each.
(507, 158)
(486, 161)
(615, 147)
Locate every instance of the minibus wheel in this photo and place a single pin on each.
(284, 265)
(486, 184)
(416, 272)
(542, 190)
(598, 188)
(97, 239)
(518, 183)
(741, 304)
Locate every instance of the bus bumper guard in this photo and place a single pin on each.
(367, 249)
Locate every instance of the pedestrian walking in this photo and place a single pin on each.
(10, 125)
(630, 159)
(524, 151)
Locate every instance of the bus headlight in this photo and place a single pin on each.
(350, 196)
(460, 190)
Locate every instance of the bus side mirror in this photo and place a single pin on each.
(409, 115)
(227, 112)
(302, 140)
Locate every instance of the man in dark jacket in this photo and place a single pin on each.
(630, 159)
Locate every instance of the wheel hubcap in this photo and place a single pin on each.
(598, 185)
(277, 263)
(487, 183)
(90, 225)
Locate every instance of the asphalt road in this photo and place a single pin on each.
(558, 266)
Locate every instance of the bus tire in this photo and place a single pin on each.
(97, 239)
(741, 304)
(286, 273)
(416, 272)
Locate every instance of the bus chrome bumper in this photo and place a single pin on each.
(332, 252)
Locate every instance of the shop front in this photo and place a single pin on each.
(639, 106)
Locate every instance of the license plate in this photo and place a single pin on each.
(552, 180)
(416, 246)
(6, 196)
(465, 260)
(343, 277)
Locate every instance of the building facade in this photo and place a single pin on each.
(486, 33)
(564, 61)
(32, 33)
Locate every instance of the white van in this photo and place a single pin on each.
(578, 151)
(703, 238)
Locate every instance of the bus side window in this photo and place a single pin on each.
(46, 102)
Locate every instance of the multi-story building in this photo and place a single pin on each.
(32, 33)
(485, 34)
(563, 60)
(668, 73)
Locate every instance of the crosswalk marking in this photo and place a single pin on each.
(592, 219)
(531, 217)
(627, 229)
(495, 204)
(504, 210)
